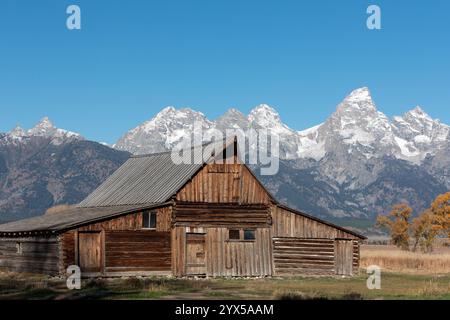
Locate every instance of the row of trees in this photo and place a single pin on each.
(420, 232)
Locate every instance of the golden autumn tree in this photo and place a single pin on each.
(424, 231)
(397, 222)
(440, 208)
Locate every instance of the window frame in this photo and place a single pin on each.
(19, 248)
(238, 234)
(149, 213)
(253, 233)
(241, 235)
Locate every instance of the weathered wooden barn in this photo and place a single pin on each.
(153, 217)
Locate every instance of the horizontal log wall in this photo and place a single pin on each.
(221, 215)
(38, 255)
(356, 257)
(127, 227)
(224, 183)
(132, 221)
(295, 256)
(289, 224)
(128, 251)
(226, 258)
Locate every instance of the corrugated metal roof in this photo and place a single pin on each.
(153, 178)
(69, 218)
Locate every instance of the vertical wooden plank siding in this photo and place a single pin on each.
(196, 254)
(178, 251)
(91, 252)
(289, 224)
(226, 258)
(344, 257)
(224, 183)
(68, 249)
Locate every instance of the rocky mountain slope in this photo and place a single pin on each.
(355, 164)
(45, 166)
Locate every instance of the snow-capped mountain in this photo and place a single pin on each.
(417, 134)
(46, 166)
(355, 127)
(162, 132)
(170, 126)
(43, 129)
(358, 162)
(358, 126)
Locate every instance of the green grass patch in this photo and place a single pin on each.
(393, 286)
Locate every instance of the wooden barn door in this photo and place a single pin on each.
(195, 254)
(344, 257)
(90, 252)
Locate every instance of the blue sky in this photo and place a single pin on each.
(132, 58)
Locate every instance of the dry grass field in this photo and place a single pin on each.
(394, 286)
(392, 259)
(405, 275)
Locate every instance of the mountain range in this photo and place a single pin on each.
(354, 165)
(46, 166)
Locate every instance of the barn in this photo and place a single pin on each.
(153, 217)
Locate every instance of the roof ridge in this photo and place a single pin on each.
(116, 205)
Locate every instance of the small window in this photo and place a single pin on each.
(241, 235)
(249, 235)
(149, 220)
(233, 235)
(19, 248)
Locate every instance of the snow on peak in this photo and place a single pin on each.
(167, 110)
(43, 128)
(418, 113)
(358, 100)
(356, 125)
(265, 116)
(359, 95)
(233, 111)
(263, 108)
(163, 131)
(232, 119)
(167, 117)
(357, 121)
(419, 121)
(423, 133)
(173, 113)
(17, 133)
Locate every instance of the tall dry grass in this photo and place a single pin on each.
(393, 259)
(61, 208)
